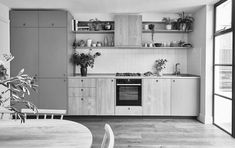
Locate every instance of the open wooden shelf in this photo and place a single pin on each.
(94, 32)
(167, 31)
(129, 47)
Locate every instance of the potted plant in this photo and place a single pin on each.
(185, 22)
(19, 87)
(168, 21)
(84, 60)
(159, 65)
(96, 24)
(151, 27)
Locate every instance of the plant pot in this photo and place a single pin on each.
(83, 71)
(183, 26)
(159, 73)
(168, 27)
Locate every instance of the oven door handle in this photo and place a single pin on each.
(128, 84)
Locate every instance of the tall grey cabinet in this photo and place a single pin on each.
(41, 43)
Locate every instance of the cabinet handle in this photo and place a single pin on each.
(173, 80)
(82, 99)
(81, 89)
(111, 80)
(81, 80)
(52, 24)
(24, 24)
(128, 108)
(156, 80)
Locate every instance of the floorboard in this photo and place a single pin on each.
(157, 133)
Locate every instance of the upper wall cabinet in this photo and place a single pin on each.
(128, 30)
(24, 19)
(49, 19)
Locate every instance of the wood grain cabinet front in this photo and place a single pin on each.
(156, 97)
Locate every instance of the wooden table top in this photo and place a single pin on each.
(44, 133)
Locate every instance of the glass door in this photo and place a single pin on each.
(223, 66)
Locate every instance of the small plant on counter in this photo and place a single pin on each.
(19, 87)
(159, 65)
(85, 60)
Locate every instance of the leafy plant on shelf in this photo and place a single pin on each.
(167, 20)
(185, 22)
(19, 86)
(160, 64)
(85, 59)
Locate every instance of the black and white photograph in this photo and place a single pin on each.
(117, 74)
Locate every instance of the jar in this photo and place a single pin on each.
(107, 26)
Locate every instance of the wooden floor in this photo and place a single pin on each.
(157, 133)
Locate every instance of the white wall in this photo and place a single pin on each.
(200, 58)
(136, 60)
(4, 31)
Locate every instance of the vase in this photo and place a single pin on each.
(159, 73)
(83, 71)
(168, 27)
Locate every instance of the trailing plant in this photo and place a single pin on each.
(19, 86)
(185, 19)
(151, 27)
(85, 59)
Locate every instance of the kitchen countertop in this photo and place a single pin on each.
(165, 76)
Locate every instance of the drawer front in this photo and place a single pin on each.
(82, 92)
(24, 19)
(128, 110)
(52, 19)
(82, 82)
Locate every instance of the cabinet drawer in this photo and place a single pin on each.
(24, 19)
(52, 19)
(82, 82)
(128, 110)
(82, 92)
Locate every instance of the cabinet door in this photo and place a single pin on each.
(121, 30)
(24, 18)
(52, 94)
(82, 106)
(52, 19)
(156, 97)
(24, 47)
(75, 82)
(134, 30)
(128, 30)
(185, 97)
(52, 52)
(105, 96)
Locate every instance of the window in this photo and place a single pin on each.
(223, 66)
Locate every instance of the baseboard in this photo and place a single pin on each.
(205, 119)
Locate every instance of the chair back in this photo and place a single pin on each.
(108, 140)
(45, 112)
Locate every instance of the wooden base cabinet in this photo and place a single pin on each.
(174, 97)
(105, 96)
(156, 97)
(185, 97)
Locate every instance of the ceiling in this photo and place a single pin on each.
(111, 6)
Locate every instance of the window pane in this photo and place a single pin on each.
(223, 16)
(223, 113)
(223, 49)
(223, 81)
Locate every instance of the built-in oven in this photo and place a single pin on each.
(128, 92)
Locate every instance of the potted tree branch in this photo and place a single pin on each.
(84, 60)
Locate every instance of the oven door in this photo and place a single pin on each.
(128, 95)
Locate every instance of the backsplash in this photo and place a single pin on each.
(136, 60)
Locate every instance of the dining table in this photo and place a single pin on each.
(44, 133)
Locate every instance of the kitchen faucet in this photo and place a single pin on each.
(177, 69)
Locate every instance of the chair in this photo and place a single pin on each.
(45, 112)
(108, 140)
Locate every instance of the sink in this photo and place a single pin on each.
(180, 75)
